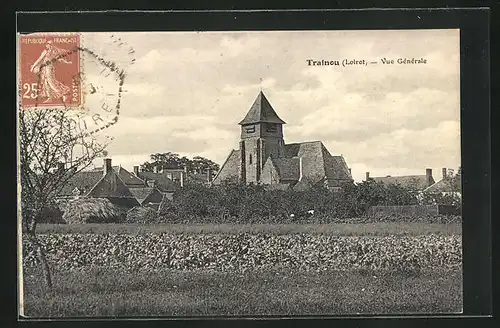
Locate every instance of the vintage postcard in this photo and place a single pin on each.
(284, 173)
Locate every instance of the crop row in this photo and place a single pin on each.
(245, 251)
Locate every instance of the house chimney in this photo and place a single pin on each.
(136, 170)
(428, 175)
(444, 172)
(209, 175)
(151, 183)
(367, 176)
(107, 166)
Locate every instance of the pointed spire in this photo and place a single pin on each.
(261, 111)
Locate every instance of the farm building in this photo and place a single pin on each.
(448, 185)
(119, 186)
(174, 178)
(128, 189)
(419, 182)
(424, 183)
(263, 156)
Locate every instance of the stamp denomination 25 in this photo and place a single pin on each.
(48, 65)
(60, 71)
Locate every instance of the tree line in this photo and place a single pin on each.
(169, 160)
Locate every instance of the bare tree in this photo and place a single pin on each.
(52, 149)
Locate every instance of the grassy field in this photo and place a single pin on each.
(281, 293)
(362, 229)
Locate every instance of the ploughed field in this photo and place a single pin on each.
(211, 270)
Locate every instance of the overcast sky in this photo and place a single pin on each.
(186, 93)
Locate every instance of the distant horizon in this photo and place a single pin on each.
(436, 172)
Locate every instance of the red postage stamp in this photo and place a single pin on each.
(49, 67)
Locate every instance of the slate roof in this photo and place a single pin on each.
(156, 197)
(417, 181)
(127, 177)
(445, 185)
(110, 186)
(288, 168)
(84, 181)
(141, 193)
(163, 182)
(261, 111)
(337, 168)
(229, 168)
(317, 162)
(119, 186)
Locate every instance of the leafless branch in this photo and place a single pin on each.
(47, 140)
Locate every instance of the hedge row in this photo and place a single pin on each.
(237, 203)
(243, 204)
(145, 215)
(246, 251)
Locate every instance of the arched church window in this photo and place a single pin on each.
(250, 159)
(250, 129)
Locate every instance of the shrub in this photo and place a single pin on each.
(434, 198)
(52, 214)
(141, 215)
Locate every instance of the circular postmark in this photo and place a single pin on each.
(69, 76)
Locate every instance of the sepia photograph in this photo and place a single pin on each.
(239, 173)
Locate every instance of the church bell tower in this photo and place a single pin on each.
(261, 137)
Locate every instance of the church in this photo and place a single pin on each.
(264, 158)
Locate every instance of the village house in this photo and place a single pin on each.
(427, 190)
(419, 181)
(128, 189)
(264, 158)
(448, 185)
(179, 176)
(117, 185)
(424, 183)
